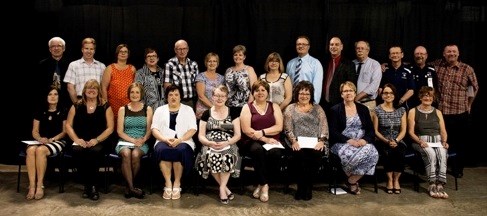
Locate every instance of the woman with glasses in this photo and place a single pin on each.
(303, 121)
(351, 137)
(206, 82)
(117, 78)
(426, 127)
(151, 78)
(219, 133)
(390, 125)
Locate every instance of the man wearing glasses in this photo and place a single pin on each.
(306, 67)
(182, 71)
(51, 71)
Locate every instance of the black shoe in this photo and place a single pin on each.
(299, 195)
(94, 194)
(308, 193)
(86, 192)
(138, 193)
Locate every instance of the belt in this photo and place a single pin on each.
(366, 100)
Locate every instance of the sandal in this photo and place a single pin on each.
(390, 190)
(31, 194)
(264, 193)
(167, 193)
(256, 193)
(441, 192)
(433, 191)
(230, 195)
(39, 192)
(176, 193)
(397, 190)
(355, 191)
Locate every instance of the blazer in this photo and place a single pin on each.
(338, 121)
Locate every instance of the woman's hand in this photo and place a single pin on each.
(295, 146)
(423, 144)
(43, 140)
(445, 145)
(138, 142)
(81, 142)
(91, 143)
(392, 144)
(271, 141)
(320, 146)
(173, 142)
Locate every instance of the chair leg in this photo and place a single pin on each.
(18, 177)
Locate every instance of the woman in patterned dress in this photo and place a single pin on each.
(219, 133)
(351, 137)
(133, 126)
(239, 80)
(206, 82)
(281, 88)
(390, 125)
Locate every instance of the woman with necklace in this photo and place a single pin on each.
(151, 78)
(281, 87)
(173, 125)
(48, 130)
(390, 125)
(89, 124)
(427, 130)
(133, 126)
(351, 137)
(262, 123)
(305, 119)
(206, 82)
(219, 133)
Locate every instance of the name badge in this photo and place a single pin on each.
(430, 82)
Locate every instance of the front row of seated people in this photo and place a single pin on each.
(89, 124)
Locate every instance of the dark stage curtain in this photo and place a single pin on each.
(263, 26)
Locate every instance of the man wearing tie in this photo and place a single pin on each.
(369, 75)
(306, 67)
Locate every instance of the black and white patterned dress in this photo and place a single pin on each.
(219, 161)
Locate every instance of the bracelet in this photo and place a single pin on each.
(97, 140)
(263, 132)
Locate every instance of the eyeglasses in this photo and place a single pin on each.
(123, 51)
(304, 94)
(220, 96)
(302, 44)
(387, 93)
(348, 91)
(151, 56)
(182, 49)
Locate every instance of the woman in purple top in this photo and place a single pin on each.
(262, 123)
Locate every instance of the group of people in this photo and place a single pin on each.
(301, 109)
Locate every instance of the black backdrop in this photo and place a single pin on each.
(263, 26)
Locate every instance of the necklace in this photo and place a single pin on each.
(91, 107)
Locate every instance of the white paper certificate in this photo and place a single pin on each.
(269, 146)
(124, 143)
(31, 142)
(435, 144)
(307, 142)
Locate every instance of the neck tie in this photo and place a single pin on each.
(329, 77)
(57, 76)
(359, 67)
(296, 73)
